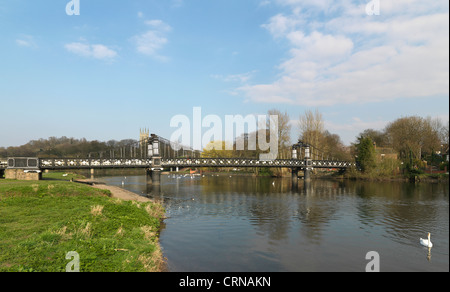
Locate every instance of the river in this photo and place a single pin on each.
(248, 224)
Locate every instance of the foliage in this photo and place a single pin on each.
(313, 132)
(54, 147)
(311, 127)
(366, 157)
(218, 149)
(284, 133)
(413, 137)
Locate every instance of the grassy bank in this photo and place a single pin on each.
(40, 222)
(386, 176)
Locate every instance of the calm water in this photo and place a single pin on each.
(259, 224)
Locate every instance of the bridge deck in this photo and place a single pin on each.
(187, 162)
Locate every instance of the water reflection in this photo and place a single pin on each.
(223, 223)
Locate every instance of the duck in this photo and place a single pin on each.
(426, 242)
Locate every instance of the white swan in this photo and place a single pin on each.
(426, 242)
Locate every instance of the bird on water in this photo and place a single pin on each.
(426, 242)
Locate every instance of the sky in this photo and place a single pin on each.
(120, 66)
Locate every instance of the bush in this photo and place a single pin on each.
(366, 154)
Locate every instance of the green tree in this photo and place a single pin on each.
(365, 154)
(217, 149)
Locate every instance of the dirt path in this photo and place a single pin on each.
(122, 194)
(116, 192)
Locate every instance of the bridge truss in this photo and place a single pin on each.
(157, 152)
(68, 163)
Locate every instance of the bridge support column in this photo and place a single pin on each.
(23, 174)
(156, 166)
(156, 177)
(308, 169)
(154, 190)
(294, 178)
(307, 174)
(148, 171)
(92, 173)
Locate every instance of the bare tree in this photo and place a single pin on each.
(311, 128)
(413, 135)
(284, 132)
(445, 134)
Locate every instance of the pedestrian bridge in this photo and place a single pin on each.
(71, 163)
(156, 154)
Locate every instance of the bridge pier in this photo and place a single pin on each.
(92, 173)
(294, 178)
(307, 176)
(154, 190)
(153, 176)
(148, 172)
(156, 177)
(307, 170)
(27, 168)
(23, 174)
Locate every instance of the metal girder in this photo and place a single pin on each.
(67, 163)
(93, 163)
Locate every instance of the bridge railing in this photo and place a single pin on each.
(93, 163)
(188, 162)
(243, 162)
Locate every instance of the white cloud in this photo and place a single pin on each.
(158, 25)
(26, 41)
(280, 24)
(153, 40)
(177, 3)
(241, 78)
(149, 42)
(347, 56)
(95, 51)
(23, 43)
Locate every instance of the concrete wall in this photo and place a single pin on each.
(19, 174)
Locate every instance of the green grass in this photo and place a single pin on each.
(40, 222)
(66, 176)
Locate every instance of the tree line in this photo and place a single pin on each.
(311, 130)
(417, 141)
(54, 147)
(413, 138)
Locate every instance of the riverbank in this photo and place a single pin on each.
(428, 178)
(109, 228)
(116, 192)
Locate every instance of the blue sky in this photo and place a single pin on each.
(123, 65)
